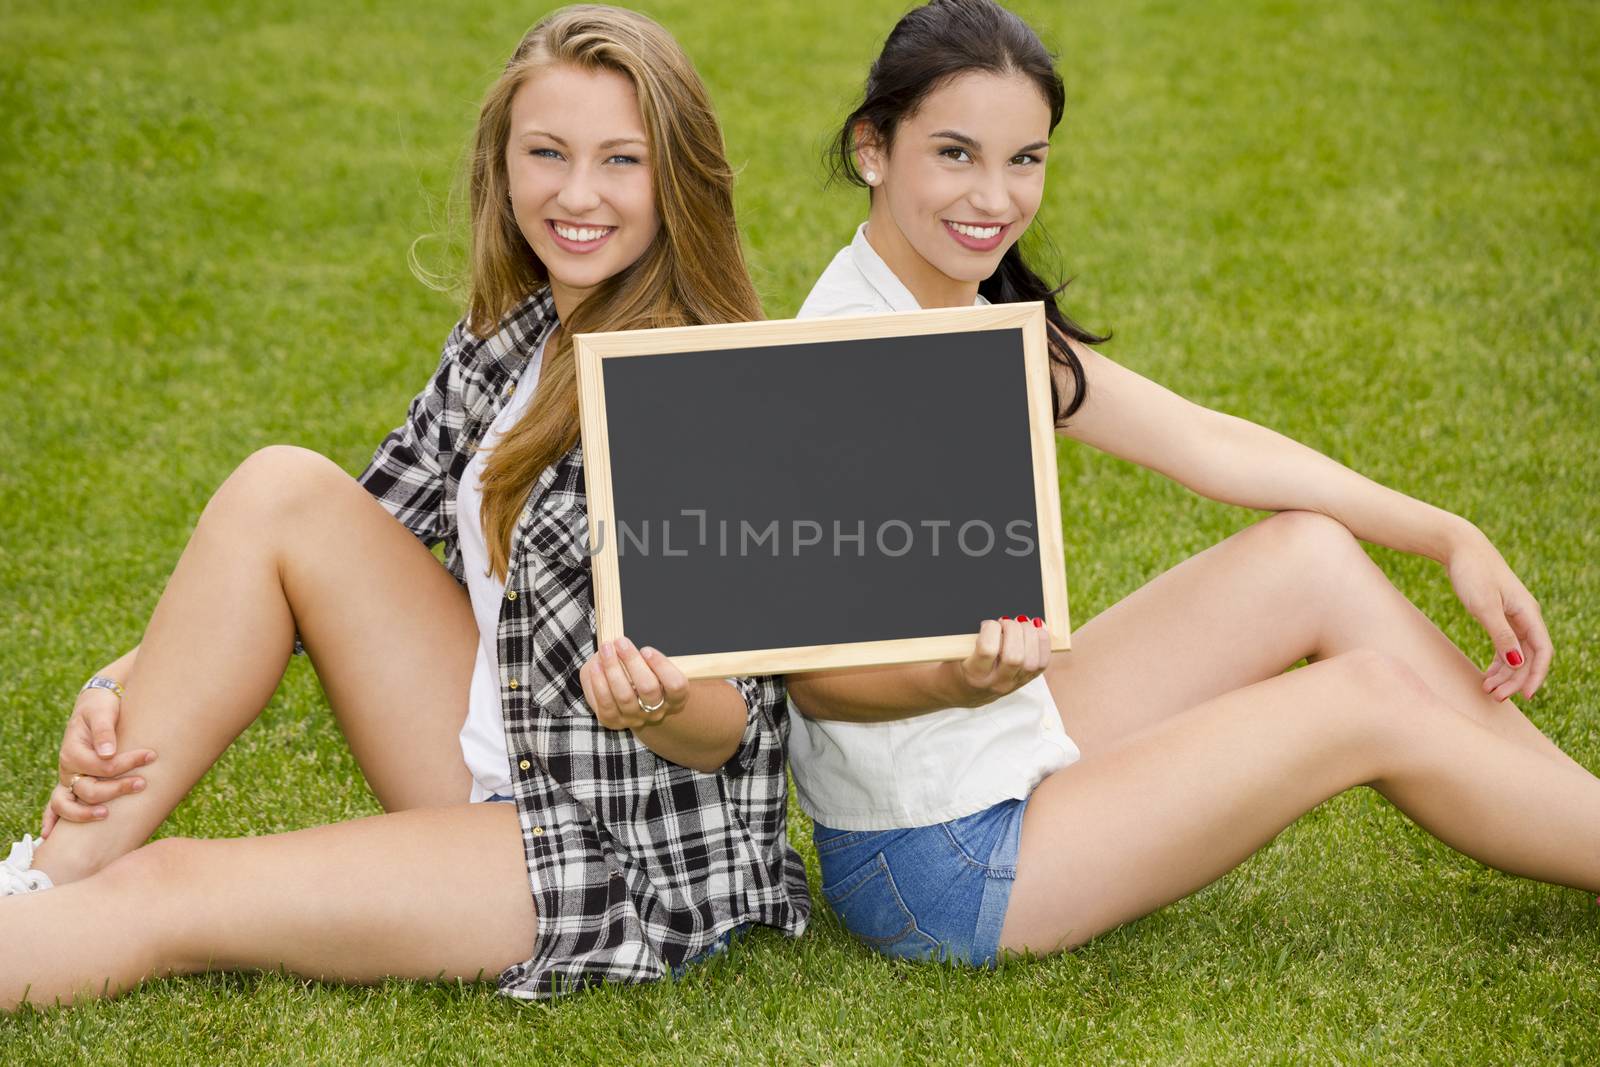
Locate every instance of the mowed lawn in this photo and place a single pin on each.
(1371, 225)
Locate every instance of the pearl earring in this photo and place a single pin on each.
(871, 176)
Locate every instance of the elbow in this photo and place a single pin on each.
(804, 696)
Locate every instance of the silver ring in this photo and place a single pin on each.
(73, 782)
(650, 708)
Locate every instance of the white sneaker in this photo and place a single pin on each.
(16, 870)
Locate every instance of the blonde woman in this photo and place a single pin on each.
(556, 813)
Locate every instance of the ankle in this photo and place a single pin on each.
(67, 862)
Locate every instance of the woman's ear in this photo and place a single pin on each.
(869, 152)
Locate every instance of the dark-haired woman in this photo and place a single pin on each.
(1024, 801)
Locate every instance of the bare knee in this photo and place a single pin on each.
(1383, 700)
(1310, 540)
(1321, 564)
(147, 883)
(274, 485)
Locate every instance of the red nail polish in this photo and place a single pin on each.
(1022, 618)
(1514, 658)
(1038, 623)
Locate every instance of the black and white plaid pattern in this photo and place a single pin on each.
(636, 864)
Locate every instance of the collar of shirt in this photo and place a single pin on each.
(878, 275)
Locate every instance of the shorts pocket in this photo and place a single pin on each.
(828, 841)
(871, 908)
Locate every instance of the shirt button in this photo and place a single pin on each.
(511, 594)
(512, 683)
(524, 765)
(538, 831)
(511, 389)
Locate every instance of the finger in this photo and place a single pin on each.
(985, 651)
(622, 693)
(597, 695)
(1496, 673)
(101, 719)
(71, 809)
(641, 676)
(78, 754)
(671, 678)
(1014, 645)
(1038, 648)
(1508, 677)
(104, 790)
(115, 767)
(1536, 641)
(48, 821)
(1506, 648)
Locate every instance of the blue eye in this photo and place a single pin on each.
(625, 159)
(545, 153)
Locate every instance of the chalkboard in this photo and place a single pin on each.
(791, 495)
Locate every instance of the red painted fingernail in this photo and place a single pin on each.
(1022, 618)
(1514, 658)
(1038, 623)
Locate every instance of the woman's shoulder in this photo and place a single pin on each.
(842, 289)
(514, 337)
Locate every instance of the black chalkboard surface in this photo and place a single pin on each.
(781, 496)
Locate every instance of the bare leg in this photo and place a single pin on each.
(1293, 586)
(288, 541)
(1175, 806)
(427, 894)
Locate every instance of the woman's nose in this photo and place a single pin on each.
(989, 194)
(578, 193)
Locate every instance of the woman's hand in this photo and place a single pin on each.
(1009, 654)
(1505, 608)
(619, 680)
(89, 750)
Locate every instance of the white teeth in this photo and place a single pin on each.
(982, 233)
(584, 233)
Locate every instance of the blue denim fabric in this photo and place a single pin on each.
(929, 892)
(717, 948)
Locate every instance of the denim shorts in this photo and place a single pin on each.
(929, 892)
(716, 948)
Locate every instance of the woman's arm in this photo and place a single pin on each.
(406, 472)
(1235, 461)
(89, 746)
(1007, 655)
(697, 725)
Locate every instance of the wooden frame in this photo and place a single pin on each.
(590, 350)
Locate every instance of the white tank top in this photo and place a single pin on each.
(944, 764)
(483, 734)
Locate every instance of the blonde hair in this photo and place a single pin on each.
(693, 271)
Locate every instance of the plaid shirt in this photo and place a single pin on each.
(636, 863)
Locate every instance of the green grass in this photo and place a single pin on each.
(1370, 225)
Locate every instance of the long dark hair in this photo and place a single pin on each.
(927, 47)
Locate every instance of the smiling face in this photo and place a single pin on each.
(578, 168)
(960, 183)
